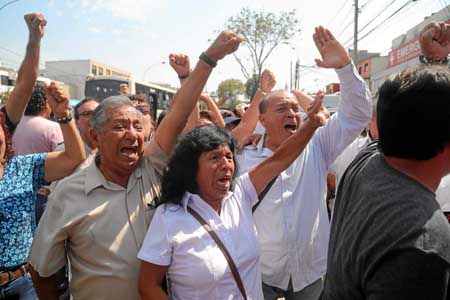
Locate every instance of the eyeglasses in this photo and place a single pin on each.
(87, 113)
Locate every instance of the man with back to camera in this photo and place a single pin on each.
(389, 238)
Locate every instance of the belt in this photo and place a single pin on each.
(7, 276)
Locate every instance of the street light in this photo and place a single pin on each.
(151, 66)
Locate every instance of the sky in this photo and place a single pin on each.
(138, 35)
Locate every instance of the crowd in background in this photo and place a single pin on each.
(101, 201)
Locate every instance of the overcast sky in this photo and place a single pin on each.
(137, 35)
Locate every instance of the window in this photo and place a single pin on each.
(366, 67)
(108, 72)
(100, 71)
(94, 70)
(4, 80)
(359, 70)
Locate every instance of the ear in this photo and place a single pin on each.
(94, 136)
(262, 119)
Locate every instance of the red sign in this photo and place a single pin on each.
(404, 53)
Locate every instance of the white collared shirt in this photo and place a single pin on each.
(197, 267)
(292, 220)
(347, 156)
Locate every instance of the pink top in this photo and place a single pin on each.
(35, 135)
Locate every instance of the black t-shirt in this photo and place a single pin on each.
(389, 238)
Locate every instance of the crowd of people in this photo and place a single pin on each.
(101, 201)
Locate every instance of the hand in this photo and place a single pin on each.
(317, 113)
(333, 53)
(58, 101)
(435, 40)
(249, 140)
(123, 89)
(180, 63)
(267, 81)
(36, 23)
(226, 43)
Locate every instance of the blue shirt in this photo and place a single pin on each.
(22, 177)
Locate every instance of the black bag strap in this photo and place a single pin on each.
(224, 250)
(263, 193)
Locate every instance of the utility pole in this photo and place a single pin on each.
(355, 35)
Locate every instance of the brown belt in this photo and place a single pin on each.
(7, 276)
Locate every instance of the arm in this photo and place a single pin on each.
(216, 116)
(285, 155)
(151, 279)
(61, 164)
(192, 120)
(248, 122)
(435, 40)
(355, 108)
(46, 287)
(187, 96)
(29, 70)
(303, 100)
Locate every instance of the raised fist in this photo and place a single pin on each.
(435, 40)
(226, 43)
(36, 23)
(267, 81)
(58, 100)
(180, 63)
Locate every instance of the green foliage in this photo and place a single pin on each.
(262, 33)
(4, 97)
(230, 89)
(251, 86)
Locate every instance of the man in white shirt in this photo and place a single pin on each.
(292, 221)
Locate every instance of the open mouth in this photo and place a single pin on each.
(224, 181)
(290, 127)
(129, 151)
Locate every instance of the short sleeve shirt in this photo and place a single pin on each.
(103, 225)
(21, 179)
(197, 266)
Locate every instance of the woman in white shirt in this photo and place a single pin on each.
(200, 175)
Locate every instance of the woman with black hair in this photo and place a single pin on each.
(199, 185)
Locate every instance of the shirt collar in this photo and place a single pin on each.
(189, 197)
(94, 179)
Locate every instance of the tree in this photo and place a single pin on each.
(251, 86)
(230, 89)
(4, 97)
(262, 33)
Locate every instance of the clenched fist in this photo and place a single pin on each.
(36, 23)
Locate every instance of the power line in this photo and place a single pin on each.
(386, 20)
(338, 12)
(373, 19)
(8, 3)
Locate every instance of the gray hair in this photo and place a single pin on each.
(100, 116)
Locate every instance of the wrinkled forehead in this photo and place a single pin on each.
(280, 98)
(122, 112)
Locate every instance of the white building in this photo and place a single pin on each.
(75, 72)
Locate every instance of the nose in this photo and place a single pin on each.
(131, 133)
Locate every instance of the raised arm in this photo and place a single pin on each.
(285, 155)
(187, 96)
(61, 164)
(303, 99)
(29, 70)
(435, 40)
(214, 110)
(250, 118)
